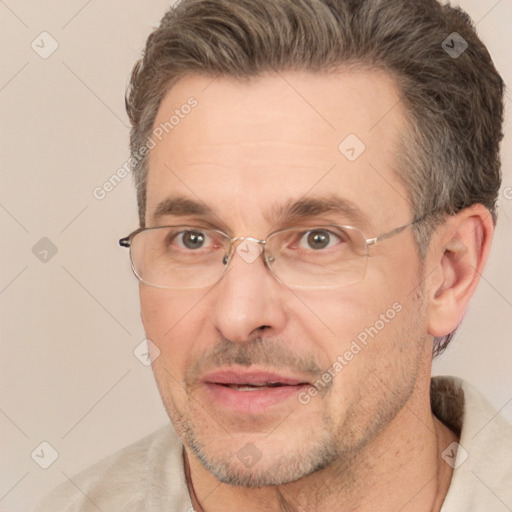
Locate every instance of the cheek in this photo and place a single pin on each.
(336, 318)
(373, 354)
(361, 327)
(173, 322)
(157, 312)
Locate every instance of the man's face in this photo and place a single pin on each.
(248, 152)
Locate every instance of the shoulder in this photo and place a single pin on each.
(134, 478)
(483, 464)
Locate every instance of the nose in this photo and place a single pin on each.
(248, 298)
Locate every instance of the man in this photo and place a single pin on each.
(317, 183)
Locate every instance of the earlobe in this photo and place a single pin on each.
(457, 260)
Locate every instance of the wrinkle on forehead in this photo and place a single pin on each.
(268, 140)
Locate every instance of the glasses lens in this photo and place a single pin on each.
(318, 257)
(188, 257)
(178, 256)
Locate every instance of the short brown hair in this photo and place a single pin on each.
(449, 158)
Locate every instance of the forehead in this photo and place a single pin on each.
(244, 146)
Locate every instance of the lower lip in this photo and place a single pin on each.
(251, 402)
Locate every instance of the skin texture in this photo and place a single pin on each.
(369, 440)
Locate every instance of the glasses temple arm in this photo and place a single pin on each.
(393, 232)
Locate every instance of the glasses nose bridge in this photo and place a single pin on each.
(235, 242)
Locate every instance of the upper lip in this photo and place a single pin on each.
(251, 377)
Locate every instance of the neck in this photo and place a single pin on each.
(400, 469)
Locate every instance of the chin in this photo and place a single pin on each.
(243, 464)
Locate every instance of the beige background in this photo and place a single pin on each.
(69, 325)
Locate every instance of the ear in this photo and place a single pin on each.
(456, 259)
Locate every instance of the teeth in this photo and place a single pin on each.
(251, 387)
(248, 388)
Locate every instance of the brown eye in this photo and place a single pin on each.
(318, 239)
(191, 239)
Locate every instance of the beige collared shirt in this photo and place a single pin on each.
(148, 476)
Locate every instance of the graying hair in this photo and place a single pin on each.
(449, 157)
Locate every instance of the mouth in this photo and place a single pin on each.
(252, 387)
(251, 391)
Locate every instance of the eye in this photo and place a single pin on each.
(191, 239)
(318, 239)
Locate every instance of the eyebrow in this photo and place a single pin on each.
(302, 209)
(289, 212)
(180, 206)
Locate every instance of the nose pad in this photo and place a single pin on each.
(249, 250)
